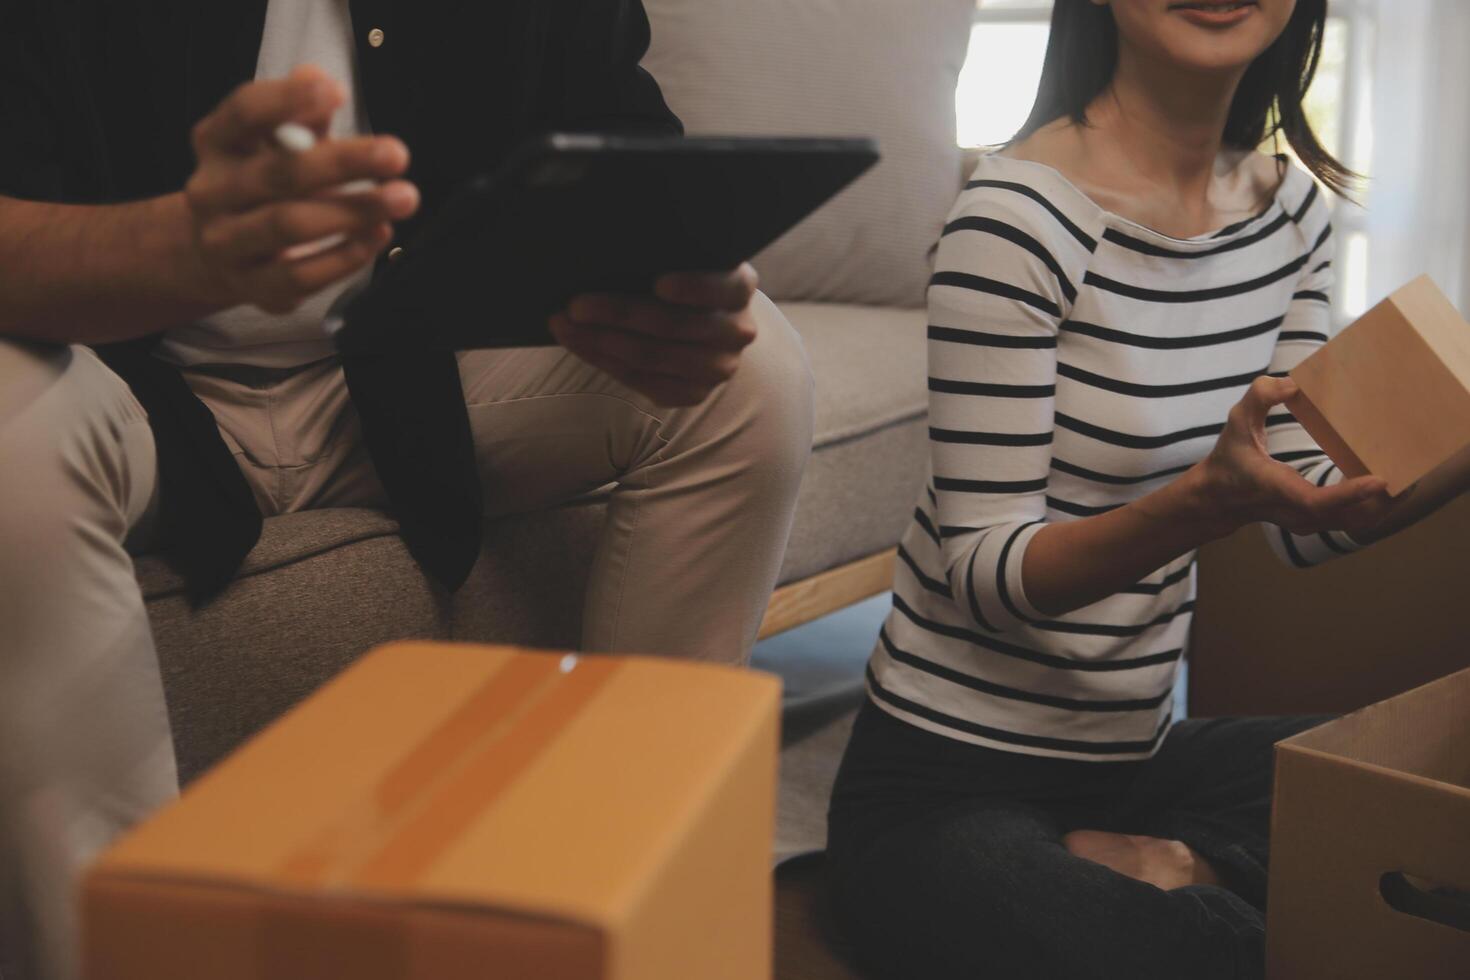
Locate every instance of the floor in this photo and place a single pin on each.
(824, 660)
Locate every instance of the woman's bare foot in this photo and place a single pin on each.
(1167, 864)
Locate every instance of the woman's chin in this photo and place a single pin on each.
(1199, 49)
(1211, 56)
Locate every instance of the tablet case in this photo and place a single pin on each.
(572, 214)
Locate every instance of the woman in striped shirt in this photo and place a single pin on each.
(1119, 295)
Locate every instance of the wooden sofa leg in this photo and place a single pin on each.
(812, 598)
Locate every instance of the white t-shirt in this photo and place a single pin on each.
(297, 32)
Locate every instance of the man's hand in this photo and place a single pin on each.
(674, 347)
(251, 201)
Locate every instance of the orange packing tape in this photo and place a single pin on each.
(434, 793)
(454, 807)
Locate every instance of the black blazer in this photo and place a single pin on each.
(97, 98)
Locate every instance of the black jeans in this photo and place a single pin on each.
(945, 858)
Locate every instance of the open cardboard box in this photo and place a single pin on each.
(1370, 849)
(443, 812)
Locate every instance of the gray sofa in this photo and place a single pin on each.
(324, 586)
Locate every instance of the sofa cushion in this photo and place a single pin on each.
(885, 68)
(273, 637)
(870, 447)
(871, 366)
(284, 540)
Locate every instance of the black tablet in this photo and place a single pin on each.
(572, 214)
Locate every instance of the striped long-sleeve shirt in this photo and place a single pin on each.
(1077, 361)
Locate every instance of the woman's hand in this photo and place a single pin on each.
(1239, 483)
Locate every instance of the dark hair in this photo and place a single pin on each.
(1082, 54)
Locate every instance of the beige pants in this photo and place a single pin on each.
(696, 529)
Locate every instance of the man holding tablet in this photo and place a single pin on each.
(148, 213)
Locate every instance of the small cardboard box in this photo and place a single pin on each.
(452, 812)
(1390, 395)
(1370, 845)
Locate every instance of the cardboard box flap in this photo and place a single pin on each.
(1424, 732)
(467, 776)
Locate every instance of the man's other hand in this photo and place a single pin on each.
(252, 202)
(674, 347)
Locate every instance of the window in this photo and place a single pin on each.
(999, 81)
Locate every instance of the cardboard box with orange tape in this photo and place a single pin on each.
(1390, 395)
(445, 812)
(1370, 843)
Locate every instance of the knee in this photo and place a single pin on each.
(31, 424)
(773, 391)
(28, 372)
(68, 429)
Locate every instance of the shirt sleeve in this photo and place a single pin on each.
(29, 166)
(1308, 325)
(1002, 286)
(601, 45)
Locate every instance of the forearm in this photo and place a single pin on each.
(98, 274)
(1076, 563)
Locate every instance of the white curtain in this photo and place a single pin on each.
(1419, 203)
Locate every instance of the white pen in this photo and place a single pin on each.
(296, 139)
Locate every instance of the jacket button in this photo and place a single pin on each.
(375, 37)
(394, 253)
